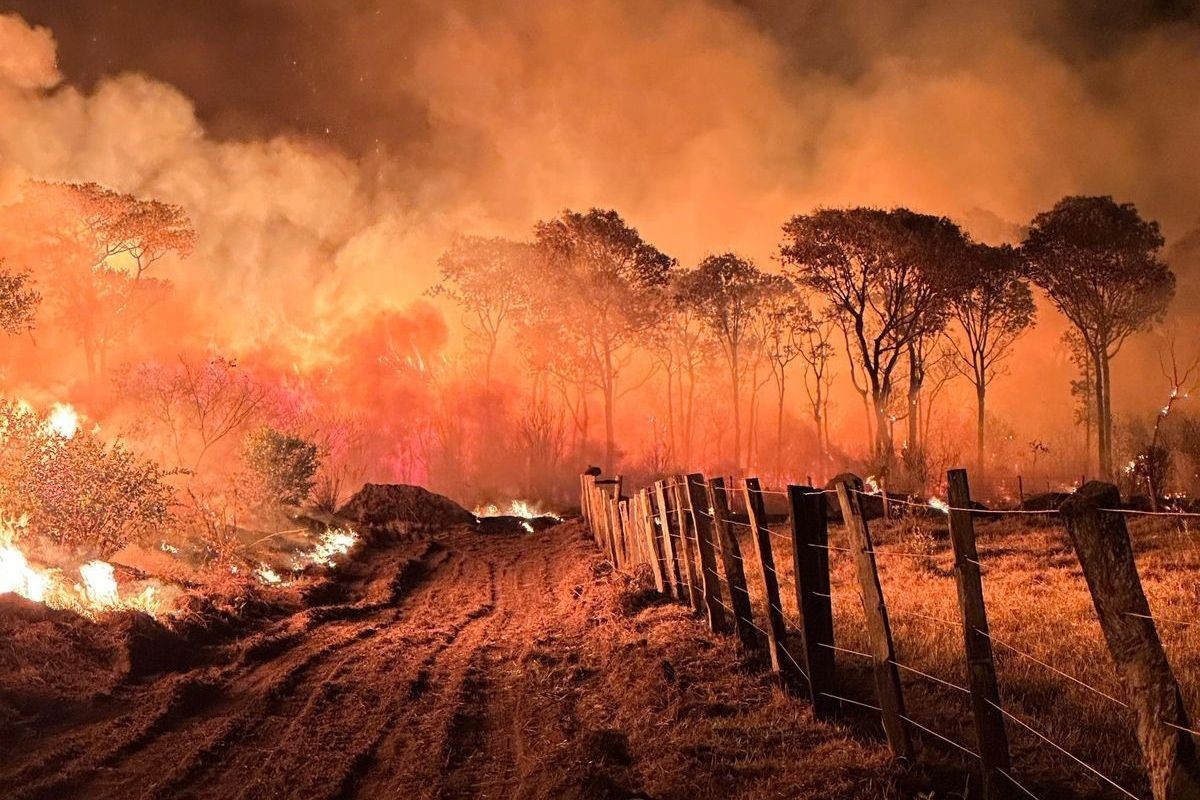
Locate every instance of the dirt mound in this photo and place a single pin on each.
(399, 508)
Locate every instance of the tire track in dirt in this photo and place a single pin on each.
(188, 720)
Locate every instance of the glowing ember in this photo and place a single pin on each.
(939, 504)
(515, 508)
(527, 526)
(268, 575)
(63, 420)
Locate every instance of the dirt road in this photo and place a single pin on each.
(465, 666)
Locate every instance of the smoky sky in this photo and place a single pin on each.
(322, 68)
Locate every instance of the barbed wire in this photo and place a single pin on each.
(1009, 715)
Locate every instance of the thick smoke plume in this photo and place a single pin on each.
(706, 124)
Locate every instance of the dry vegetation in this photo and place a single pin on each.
(1038, 603)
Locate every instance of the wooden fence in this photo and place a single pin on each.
(682, 529)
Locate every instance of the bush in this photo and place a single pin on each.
(77, 491)
(282, 465)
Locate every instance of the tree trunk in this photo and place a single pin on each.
(1103, 415)
(737, 410)
(980, 391)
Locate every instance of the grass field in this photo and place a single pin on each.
(1038, 604)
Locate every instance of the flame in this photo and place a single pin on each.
(940, 504)
(515, 508)
(63, 420)
(334, 542)
(871, 484)
(100, 584)
(17, 576)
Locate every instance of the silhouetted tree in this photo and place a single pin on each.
(885, 274)
(488, 278)
(599, 287)
(724, 290)
(781, 321)
(1098, 260)
(989, 318)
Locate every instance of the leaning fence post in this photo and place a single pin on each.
(686, 552)
(731, 557)
(810, 559)
(981, 669)
(879, 629)
(1102, 543)
(776, 627)
(698, 506)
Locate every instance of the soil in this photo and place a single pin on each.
(457, 666)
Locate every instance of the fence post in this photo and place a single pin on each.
(731, 557)
(810, 560)
(1102, 543)
(653, 545)
(685, 552)
(883, 651)
(669, 555)
(776, 627)
(698, 505)
(981, 669)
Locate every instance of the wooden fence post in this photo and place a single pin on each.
(731, 557)
(685, 551)
(669, 554)
(652, 544)
(981, 669)
(710, 578)
(1102, 543)
(776, 627)
(810, 554)
(883, 651)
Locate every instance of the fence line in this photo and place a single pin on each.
(682, 533)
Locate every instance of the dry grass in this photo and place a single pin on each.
(1038, 603)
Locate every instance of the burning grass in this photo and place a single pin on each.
(1039, 610)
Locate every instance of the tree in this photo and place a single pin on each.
(780, 324)
(885, 276)
(1099, 263)
(282, 465)
(109, 242)
(599, 288)
(725, 290)
(817, 351)
(989, 318)
(18, 301)
(487, 277)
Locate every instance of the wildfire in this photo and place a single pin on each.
(939, 504)
(334, 542)
(515, 508)
(96, 591)
(871, 484)
(63, 420)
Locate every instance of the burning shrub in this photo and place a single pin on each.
(80, 492)
(282, 466)
(72, 488)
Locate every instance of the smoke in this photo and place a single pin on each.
(706, 123)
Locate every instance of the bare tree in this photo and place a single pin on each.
(817, 351)
(1099, 263)
(780, 324)
(989, 319)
